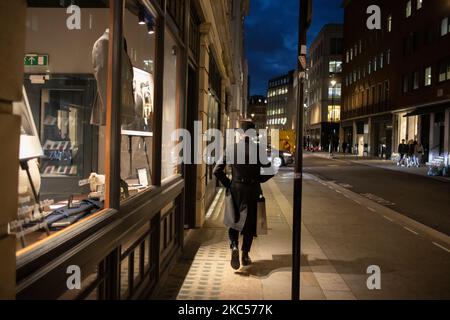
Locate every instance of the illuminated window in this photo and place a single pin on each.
(428, 77)
(389, 23)
(445, 28)
(335, 66)
(419, 4)
(408, 9)
(334, 113)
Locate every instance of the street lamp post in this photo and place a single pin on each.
(332, 118)
(304, 23)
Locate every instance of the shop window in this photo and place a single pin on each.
(137, 113)
(171, 107)
(62, 159)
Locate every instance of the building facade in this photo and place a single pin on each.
(92, 100)
(280, 102)
(324, 88)
(396, 85)
(257, 110)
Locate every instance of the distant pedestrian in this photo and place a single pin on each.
(418, 154)
(402, 150)
(344, 147)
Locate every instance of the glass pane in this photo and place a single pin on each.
(137, 99)
(62, 176)
(171, 109)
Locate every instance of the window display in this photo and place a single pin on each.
(62, 176)
(137, 99)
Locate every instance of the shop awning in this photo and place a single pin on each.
(428, 110)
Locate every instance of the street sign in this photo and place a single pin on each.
(36, 60)
(302, 60)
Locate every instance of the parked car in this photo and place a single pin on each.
(280, 158)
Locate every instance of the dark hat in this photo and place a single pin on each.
(247, 125)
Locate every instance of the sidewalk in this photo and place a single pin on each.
(343, 234)
(204, 271)
(377, 163)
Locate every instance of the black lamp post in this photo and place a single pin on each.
(304, 23)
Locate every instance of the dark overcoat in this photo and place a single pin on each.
(247, 176)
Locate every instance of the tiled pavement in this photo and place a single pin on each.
(204, 272)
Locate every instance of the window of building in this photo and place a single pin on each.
(389, 23)
(388, 56)
(370, 67)
(381, 60)
(419, 4)
(405, 86)
(137, 107)
(408, 8)
(375, 64)
(428, 76)
(62, 149)
(416, 82)
(335, 92)
(335, 66)
(445, 27)
(334, 113)
(444, 70)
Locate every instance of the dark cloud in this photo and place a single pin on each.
(272, 33)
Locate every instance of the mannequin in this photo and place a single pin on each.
(100, 66)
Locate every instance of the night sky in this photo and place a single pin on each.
(271, 36)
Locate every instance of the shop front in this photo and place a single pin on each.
(101, 189)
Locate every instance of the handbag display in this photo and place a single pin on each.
(261, 227)
(233, 218)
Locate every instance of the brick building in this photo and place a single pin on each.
(396, 79)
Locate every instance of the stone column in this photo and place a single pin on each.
(447, 137)
(355, 137)
(432, 140)
(203, 99)
(12, 50)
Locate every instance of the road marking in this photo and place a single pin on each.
(410, 230)
(338, 191)
(371, 209)
(389, 219)
(442, 247)
(357, 201)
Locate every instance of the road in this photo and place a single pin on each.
(355, 232)
(420, 198)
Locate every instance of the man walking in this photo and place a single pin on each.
(402, 150)
(245, 188)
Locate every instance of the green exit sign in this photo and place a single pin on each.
(36, 60)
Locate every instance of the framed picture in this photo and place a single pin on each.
(143, 177)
